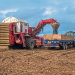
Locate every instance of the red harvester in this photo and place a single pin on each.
(15, 31)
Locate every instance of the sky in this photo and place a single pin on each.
(33, 11)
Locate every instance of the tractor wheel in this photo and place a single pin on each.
(29, 43)
(74, 44)
(64, 47)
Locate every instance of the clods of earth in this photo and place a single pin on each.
(37, 62)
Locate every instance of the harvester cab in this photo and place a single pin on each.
(32, 28)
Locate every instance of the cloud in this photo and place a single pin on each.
(70, 10)
(49, 11)
(74, 2)
(25, 13)
(65, 8)
(7, 11)
(57, 2)
(33, 11)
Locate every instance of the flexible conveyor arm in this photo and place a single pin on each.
(42, 24)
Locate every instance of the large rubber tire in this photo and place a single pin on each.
(49, 48)
(74, 44)
(29, 43)
(64, 47)
(10, 47)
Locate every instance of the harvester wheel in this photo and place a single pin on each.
(29, 43)
(10, 47)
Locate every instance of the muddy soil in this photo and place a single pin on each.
(37, 62)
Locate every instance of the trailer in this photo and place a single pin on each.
(58, 40)
(15, 31)
(58, 43)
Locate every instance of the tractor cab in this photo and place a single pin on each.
(71, 33)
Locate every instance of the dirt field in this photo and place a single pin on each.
(37, 62)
